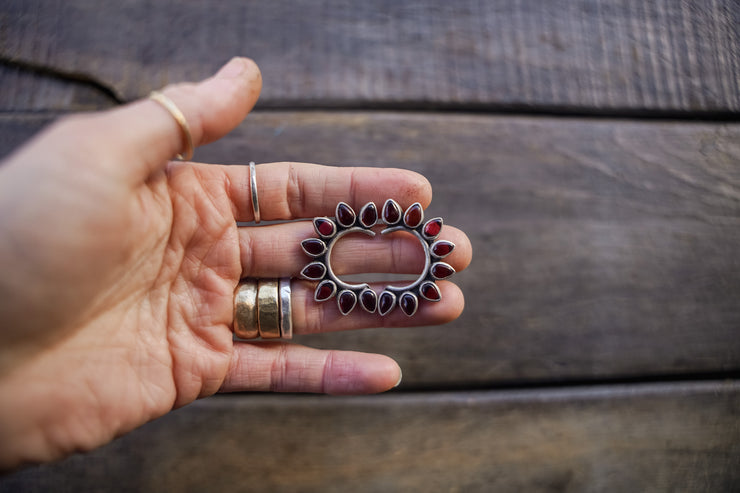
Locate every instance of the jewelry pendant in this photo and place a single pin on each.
(345, 222)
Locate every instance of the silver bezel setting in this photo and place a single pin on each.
(418, 227)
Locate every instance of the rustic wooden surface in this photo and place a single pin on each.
(606, 236)
(29, 89)
(562, 55)
(667, 437)
(602, 248)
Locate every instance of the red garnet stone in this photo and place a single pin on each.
(369, 300)
(386, 302)
(413, 216)
(442, 248)
(347, 301)
(440, 270)
(391, 212)
(313, 246)
(433, 227)
(408, 303)
(324, 226)
(325, 291)
(345, 215)
(430, 291)
(369, 215)
(315, 270)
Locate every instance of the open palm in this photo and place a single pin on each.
(120, 268)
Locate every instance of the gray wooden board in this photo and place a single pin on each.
(603, 248)
(24, 90)
(655, 437)
(579, 55)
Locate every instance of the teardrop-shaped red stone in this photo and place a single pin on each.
(369, 300)
(391, 212)
(314, 271)
(433, 227)
(430, 291)
(324, 291)
(325, 227)
(347, 301)
(369, 215)
(408, 303)
(345, 215)
(442, 248)
(313, 246)
(440, 270)
(385, 303)
(413, 216)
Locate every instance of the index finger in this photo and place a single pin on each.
(300, 190)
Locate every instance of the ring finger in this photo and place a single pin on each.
(310, 317)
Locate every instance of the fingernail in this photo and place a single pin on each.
(400, 377)
(234, 68)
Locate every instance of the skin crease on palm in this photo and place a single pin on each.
(119, 268)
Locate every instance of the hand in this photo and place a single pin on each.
(119, 269)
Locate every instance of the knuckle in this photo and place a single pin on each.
(327, 373)
(294, 193)
(279, 370)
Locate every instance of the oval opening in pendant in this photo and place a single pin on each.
(357, 260)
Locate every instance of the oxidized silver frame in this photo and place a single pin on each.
(345, 221)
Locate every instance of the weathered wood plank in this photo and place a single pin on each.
(25, 88)
(584, 55)
(667, 437)
(603, 249)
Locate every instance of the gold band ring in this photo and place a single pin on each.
(245, 310)
(268, 308)
(173, 110)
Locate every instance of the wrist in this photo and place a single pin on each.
(34, 415)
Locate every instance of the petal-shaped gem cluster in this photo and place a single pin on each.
(396, 219)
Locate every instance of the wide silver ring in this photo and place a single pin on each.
(286, 311)
(345, 222)
(253, 187)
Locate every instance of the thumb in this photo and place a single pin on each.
(147, 135)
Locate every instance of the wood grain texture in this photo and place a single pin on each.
(559, 55)
(26, 88)
(674, 437)
(602, 249)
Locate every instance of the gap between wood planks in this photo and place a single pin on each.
(513, 109)
(729, 376)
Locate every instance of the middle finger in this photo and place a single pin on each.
(275, 251)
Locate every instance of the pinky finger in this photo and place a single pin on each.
(286, 367)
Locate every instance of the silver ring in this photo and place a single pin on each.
(253, 186)
(347, 222)
(286, 318)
